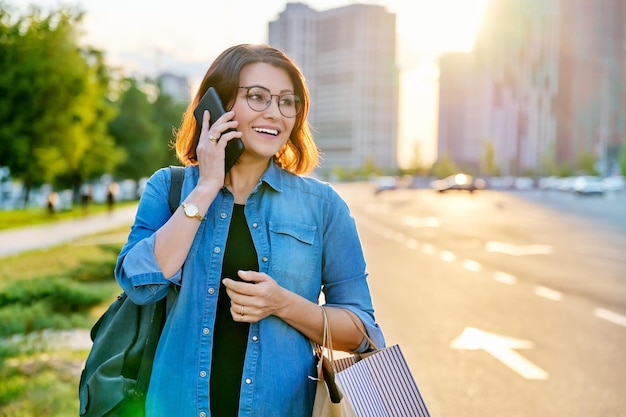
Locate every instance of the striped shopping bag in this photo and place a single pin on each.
(380, 384)
(374, 384)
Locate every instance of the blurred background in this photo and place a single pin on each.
(479, 144)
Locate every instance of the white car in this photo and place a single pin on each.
(614, 184)
(588, 185)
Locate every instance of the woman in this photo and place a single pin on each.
(251, 254)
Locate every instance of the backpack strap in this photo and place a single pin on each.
(178, 175)
(160, 307)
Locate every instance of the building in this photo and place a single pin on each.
(546, 81)
(348, 56)
(175, 86)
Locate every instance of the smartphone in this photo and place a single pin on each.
(211, 101)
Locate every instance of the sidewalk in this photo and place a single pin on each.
(14, 241)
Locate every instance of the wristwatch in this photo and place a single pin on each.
(191, 211)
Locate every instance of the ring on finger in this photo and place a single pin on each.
(242, 313)
(213, 138)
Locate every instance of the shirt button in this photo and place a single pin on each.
(202, 414)
(255, 225)
(211, 290)
(248, 381)
(203, 374)
(255, 338)
(223, 215)
(205, 330)
(217, 249)
(265, 259)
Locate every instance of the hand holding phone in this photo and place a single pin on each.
(211, 101)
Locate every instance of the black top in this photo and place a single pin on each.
(231, 337)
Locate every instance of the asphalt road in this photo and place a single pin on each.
(504, 305)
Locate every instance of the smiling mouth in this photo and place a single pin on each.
(272, 132)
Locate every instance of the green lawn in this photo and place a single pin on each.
(65, 287)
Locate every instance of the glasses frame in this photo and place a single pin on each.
(268, 103)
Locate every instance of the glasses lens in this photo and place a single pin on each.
(260, 99)
(289, 105)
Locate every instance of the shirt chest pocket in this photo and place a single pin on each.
(294, 251)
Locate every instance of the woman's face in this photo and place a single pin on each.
(265, 132)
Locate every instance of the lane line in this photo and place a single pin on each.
(472, 265)
(610, 316)
(412, 244)
(504, 278)
(428, 249)
(548, 293)
(447, 256)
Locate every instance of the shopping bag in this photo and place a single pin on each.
(375, 384)
(329, 398)
(380, 384)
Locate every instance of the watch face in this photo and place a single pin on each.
(191, 210)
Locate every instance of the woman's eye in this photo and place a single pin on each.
(255, 97)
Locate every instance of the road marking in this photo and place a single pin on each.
(447, 256)
(501, 348)
(412, 244)
(399, 238)
(504, 278)
(518, 250)
(413, 221)
(548, 293)
(472, 265)
(428, 249)
(608, 315)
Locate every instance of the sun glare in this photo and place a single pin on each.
(441, 26)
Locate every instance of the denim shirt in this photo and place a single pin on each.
(305, 239)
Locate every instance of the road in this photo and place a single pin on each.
(504, 305)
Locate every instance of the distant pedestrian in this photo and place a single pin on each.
(111, 196)
(53, 202)
(85, 198)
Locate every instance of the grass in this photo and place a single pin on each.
(64, 287)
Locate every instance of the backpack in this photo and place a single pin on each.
(115, 379)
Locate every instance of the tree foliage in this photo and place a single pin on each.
(144, 128)
(53, 107)
(488, 164)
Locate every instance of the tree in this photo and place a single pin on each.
(622, 158)
(167, 115)
(135, 131)
(444, 167)
(53, 109)
(488, 163)
(586, 163)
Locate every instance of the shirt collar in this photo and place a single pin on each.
(273, 176)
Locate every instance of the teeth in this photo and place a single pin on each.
(269, 131)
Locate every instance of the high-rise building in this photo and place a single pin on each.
(175, 86)
(547, 79)
(348, 56)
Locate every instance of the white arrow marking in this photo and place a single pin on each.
(501, 348)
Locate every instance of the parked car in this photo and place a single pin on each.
(615, 183)
(385, 183)
(458, 182)
(588, 185)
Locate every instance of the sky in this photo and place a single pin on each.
(147, 37)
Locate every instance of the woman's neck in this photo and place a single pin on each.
(241, 180)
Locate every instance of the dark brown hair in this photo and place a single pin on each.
(300, 154)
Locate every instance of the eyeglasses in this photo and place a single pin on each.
(260, 98)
